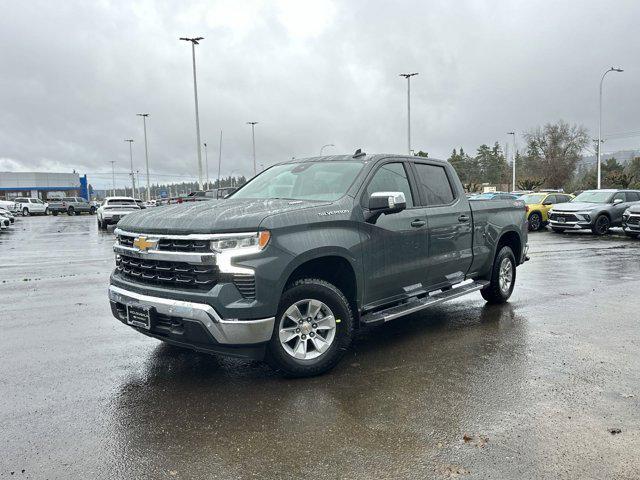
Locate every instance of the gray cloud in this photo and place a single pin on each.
(74, 74)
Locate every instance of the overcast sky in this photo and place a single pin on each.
(74, 74)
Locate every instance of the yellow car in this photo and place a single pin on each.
(538, 206)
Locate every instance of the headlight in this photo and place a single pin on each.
(241, 242)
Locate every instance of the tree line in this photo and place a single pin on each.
(549, 159)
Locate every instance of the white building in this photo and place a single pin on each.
(41, 185)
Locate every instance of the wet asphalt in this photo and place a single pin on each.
(531, 389)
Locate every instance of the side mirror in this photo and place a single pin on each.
(617, 201)
(385, 202)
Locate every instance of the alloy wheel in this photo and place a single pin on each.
(307, 329)
(505, 275)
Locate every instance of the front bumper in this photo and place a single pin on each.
(178, 318)
(632, 223)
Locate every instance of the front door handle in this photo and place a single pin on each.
(418, 223)
(463, 218)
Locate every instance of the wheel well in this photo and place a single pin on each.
(333, 269)
(511, 240)
(537, 212)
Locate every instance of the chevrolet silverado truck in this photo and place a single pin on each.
(598, 210)
(308, 251)
(71, 206)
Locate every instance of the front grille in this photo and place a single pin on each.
(246, 284)
(568, 217)
(633, 221)
(177, 274)
(171, 245)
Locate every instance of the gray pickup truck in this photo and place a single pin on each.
(71, 206)
(598, 210)
(306, 252)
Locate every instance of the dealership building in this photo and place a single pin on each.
(42, 185)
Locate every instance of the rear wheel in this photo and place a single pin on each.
(313, 329)
(503, 277)
(71, 211)
(54, 213)
(25, 212)
(601, 225)
(92, 210)
(535, 221)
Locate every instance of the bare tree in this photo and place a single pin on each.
(555, 150)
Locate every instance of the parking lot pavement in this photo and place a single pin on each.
(530, 389)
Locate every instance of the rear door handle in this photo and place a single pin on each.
(418, 223)
(463, 218)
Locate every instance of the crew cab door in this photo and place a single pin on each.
(394, 247)
(450, 229)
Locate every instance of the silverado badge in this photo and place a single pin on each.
(143, 244)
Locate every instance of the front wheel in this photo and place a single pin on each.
(535, 222)
(54, 213)
(313, 329)
(601, 225)
(25, 212)
(71, 211)
(503, 277)
(92, 211)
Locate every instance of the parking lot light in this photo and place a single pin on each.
(133, 179)
(612, 69)
(146, 151)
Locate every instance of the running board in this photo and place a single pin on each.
(418, 304)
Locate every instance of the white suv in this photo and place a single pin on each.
(113, 209)
(31, 206)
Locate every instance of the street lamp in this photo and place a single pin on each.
(113, 175)
(253, 140)
(325, 146)
(408, 77)
(206, 163)
(219, 157)
(515, 149)
(133, 180)
(194, 42)
(146, 151)
(612, 69)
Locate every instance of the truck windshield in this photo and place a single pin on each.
(593, 197)
(302, 181)
(532, 199)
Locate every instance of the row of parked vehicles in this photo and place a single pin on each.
(7, 217)
(595, 210)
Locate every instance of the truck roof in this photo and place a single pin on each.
(365, 158)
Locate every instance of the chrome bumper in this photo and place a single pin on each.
(226, 332)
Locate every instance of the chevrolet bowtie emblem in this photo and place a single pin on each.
(143, 244)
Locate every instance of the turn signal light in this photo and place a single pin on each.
(263, 238)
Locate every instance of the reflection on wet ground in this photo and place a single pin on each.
(524, 390)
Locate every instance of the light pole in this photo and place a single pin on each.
(146, 151)
(194, 42)
(206, 163)
(133, 180)
(113, 175)
(219, 157)
(612, 69)
(515, 150)
(325, 146)
(408, 77)
(253, 141)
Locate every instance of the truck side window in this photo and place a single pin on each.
(619, 196)
(633, 197)
(391, 177)
(435, 184)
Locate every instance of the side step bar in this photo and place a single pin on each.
(417, 304)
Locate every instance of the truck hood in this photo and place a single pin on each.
(635, 208)
(576, 206)
(209, 217)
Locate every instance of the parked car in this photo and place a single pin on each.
(140, 203)
(7, 214)
(11, 206)
(4, 223)
(306, 251)
(219, 193)
(71, 206)
(31, 206)
(494, 196)
(113, 209)
(538, 206)
(631, 221)
(597, 210)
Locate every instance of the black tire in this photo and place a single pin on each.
(54, 213)
(558, 230)
(71, 211)
(92, 211)
(601, 225)
(25, 212)
(494, 293)
(535, 221)
(334, 299)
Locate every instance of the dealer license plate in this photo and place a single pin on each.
(139, 316)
